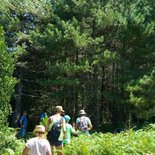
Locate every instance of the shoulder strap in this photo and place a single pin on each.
(61, 119)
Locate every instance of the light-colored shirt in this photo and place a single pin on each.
(82, 123)
(38, 146)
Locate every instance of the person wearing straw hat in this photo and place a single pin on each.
(38, 145)
(83, 123)
(56, 130)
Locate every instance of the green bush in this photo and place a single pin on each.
(139, 142)
(7, 81)
(9, 144)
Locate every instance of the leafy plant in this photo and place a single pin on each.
(139, 142)
(44, 120)
(9, 144)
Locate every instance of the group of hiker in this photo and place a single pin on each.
(51, 138)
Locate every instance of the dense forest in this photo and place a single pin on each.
(96, 55)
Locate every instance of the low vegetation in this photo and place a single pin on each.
(139, 142)
(9, 144)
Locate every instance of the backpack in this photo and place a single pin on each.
(82, 124)
(54, 133)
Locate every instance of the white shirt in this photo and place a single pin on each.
(38, 146)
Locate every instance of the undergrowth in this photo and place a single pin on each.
(141, 142)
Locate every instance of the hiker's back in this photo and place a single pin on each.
(83, 123)
(55, 129)
(56, 121)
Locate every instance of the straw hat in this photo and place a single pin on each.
(82, 112)
(59, 109)
(39, 128)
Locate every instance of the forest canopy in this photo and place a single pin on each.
(93, 54)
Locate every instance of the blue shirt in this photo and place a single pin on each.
(24, 121)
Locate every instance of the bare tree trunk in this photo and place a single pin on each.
(17, 105)
(95, 103)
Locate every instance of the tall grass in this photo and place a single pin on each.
(141, 142)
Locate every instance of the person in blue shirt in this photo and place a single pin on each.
(23, 124)
(42, 116)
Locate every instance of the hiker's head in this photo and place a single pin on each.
(39, 130)
(59, 109)
(67, 118)
(82, 113)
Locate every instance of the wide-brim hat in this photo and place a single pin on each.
(82, 112)
(39, 128)
(59, 109)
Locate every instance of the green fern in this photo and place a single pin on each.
(44, 120)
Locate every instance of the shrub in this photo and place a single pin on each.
(7, 81)
(139, 142)
(9, 144)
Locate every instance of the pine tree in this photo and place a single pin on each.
(84, 54)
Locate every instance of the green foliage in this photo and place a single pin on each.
(9, 144)
(7, 82)
(142, 95)
(44, 120)
(129, 142)
(87, 57)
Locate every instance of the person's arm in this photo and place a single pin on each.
(21, 121)
(48, 153)
(64, 127)
(48, 123)
(26, 151)
(48, 149)
(89, 125)
(76, 124)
